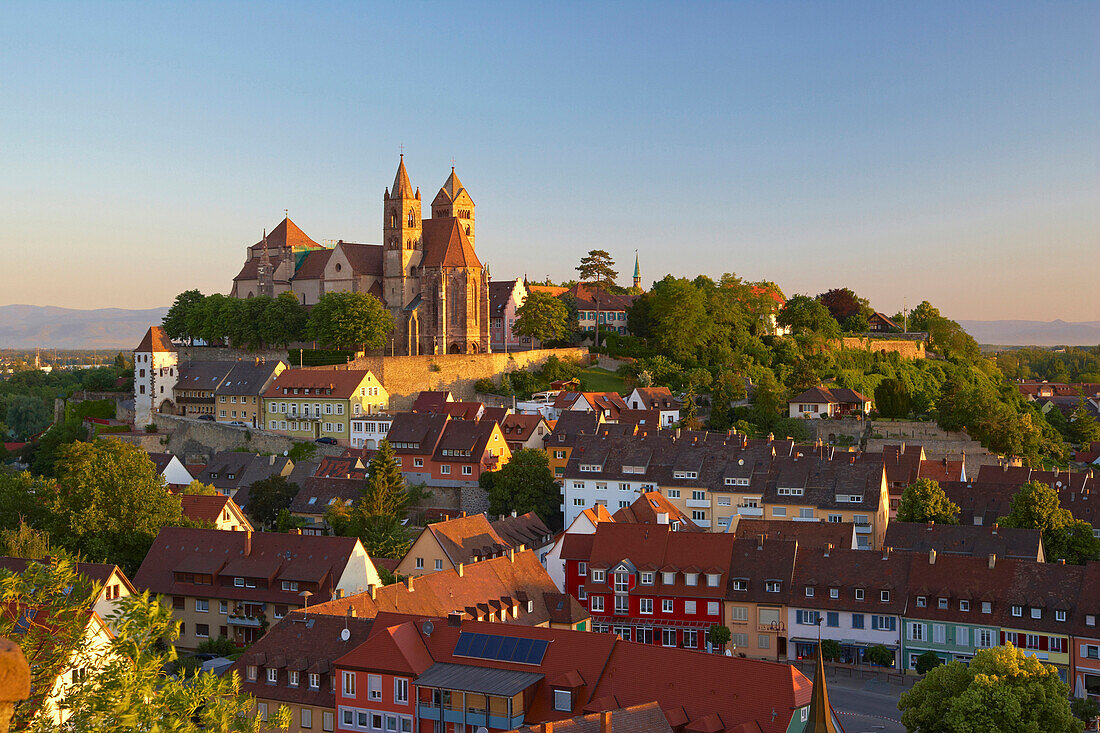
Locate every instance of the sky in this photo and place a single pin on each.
(941, 151)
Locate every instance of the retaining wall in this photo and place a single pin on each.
(191, 437)
(908, 349)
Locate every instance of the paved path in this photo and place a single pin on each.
(866, 707)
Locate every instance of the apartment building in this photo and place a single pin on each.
(311, 404)
(239, 396)
(443, 451)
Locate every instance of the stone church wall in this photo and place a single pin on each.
(906, 348)
(405, 376)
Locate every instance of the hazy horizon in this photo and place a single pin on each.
(935, 151)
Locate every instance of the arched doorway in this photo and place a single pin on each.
(456, 348)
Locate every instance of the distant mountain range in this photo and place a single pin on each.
(1034, 333)
(27, 326)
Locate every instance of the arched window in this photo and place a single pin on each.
(467, 230)
(412, 218)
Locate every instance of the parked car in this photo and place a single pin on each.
(207, 418)
(239, 424)
(326, 440)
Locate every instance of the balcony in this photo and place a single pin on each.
(494, 722)
(698, 503)
(750, 511)
(862, 528)
(805, 519)
(195, 400)
(306, 416)
(253, 621)
(702, 522)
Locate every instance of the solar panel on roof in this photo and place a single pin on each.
(501, 648)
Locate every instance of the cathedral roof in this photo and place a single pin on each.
(401, 187)
(287, 234)
(365, 259)
(446, 244)
(312, 266)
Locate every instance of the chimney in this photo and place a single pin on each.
(464, 514)
(760, 542)
(992, 560)
(511, 554)
(371, 588)
(352, 613)
(932, 556)
(247, 542)
(339, 592)
(460, 568)
(1062, 561)
(410, 583)
(931, 524)
(605, 722)
(513, 512)
(828, 548)
(548, 727)
(662, 517)
(886, 553)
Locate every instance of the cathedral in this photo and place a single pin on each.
(425, 271)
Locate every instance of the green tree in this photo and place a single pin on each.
(385, 491)
(921, 317)
(1084, 708)
(925, 501)
(383, 535)
(1082, 428)
(124, 690)
(284, 320)
(198, 488)
(45, 454)
(679, 324)
(181, 318)
(718, 636)
(597, 267)
(880, 655)
(927, 662)
(1036, 506)
(892, 398)
(24, 542)
(803, 314)
(110, 503)
(1002, 689)
(689, 408)
(345, 320)
(267, 496)
(27, 416)
(542, 317)
(768, 394)
(23, 498)
(830, 650)
(525, 484)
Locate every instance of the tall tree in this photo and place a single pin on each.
(110, 502)
(385, 491)
(524, 484)
(892, 398)
(543, 317)
(843, 304)
(269, 495)
(126, 689)
(925, 501)
(597, 267)
(1036, 506)
(27, 416)
(344, 320)
(1002, 689)
(1081, 425)
(284, 321)
(179, 320)
(679, 323)
(803, 314)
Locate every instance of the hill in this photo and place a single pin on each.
(25, 326)
(1034, 333)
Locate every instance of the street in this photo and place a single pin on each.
(866, 707)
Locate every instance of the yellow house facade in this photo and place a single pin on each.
(308, 404)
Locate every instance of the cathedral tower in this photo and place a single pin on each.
(402, 242)
(454, 201)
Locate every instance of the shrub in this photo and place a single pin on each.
(830, 649)
(880, 655)
(220, 646)
(927, 662)
(151, 428)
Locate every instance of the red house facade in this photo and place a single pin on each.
(649, 584)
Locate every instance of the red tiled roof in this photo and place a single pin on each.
(463, 538)
(342, 382)
(446, 244)
(312, 266)
(518, 428)
(155, 341)
(365, 259)
(203, 508)
(645, 508)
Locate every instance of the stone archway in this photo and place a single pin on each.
(456, 348)
(167, 407)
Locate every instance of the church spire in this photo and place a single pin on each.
(821, 712)
(402, 188)
(637, 271)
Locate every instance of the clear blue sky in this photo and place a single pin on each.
(947, 151)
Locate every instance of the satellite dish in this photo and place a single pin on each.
(428, 628)
(729, 652)
(483, 729)
(740, 461)
(345, 634)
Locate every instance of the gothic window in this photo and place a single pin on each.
(412, 218)
(467, 230)
(393, 220)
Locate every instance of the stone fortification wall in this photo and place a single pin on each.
(190, 437)
(224, 353)
(938, 443)
(909, 349)
(405, 376)
(829, 430)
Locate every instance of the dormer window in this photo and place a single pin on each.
(272, 675)
(1036, 613)
(1017, 611)
(922, 601)
(740, 584)
(668, 578)
(563, 701)
(942, 603)
(834, 593)
(772, 586)
(647, 578)
(809, 591)
(691, 578)
(964, 605)
(1059, 615)
(1090, 620)
(598, 576)
(884, 596)
(712, 579)
(860, 595)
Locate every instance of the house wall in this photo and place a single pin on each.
(1084, 667)
(844, 631)
(949, 649)
(189, 437)
(427, 549)
(358, 573)
(318, 715)
(761, 639)
(359, 700)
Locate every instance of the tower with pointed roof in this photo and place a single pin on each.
(402, 241)
(821, 716)
(454, 201)
(637, 273)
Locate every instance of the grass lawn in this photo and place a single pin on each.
(596, 379)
